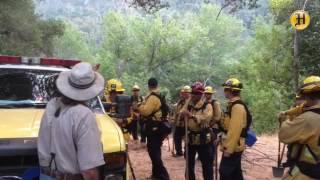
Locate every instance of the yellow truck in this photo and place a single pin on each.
(26, 85)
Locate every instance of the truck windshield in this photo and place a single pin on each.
(29, 87)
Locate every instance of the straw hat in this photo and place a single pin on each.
(82, 83)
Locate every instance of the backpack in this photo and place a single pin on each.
(247, 133)
(309, 169)
(163, 127)
(164, 106)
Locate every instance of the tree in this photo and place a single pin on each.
(149, 6)
(72, 45)
(309, 38)
(177, 48)
(265, 70)
(23, 32)
(152, 6)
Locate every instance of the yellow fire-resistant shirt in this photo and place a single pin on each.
(232, 141)
(217, 113)
(303, 130)
(178, 119)
(201, 115)
(151, 105)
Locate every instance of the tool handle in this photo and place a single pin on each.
(187, 147)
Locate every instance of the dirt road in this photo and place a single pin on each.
(257, 161)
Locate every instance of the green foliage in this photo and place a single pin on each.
(187, 42)
(265, 71)
(72, 45)
(310, 42)
(176, 48)
(23, 32)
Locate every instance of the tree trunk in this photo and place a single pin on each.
(299, 4)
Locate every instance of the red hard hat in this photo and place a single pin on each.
(197, 88)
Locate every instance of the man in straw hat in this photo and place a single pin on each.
(69, 144)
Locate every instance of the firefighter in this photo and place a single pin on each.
(179, 131)
(303, 134)
(112, 89)
(151, 110)
(295, 111)
(208, 93)
(198, 115)
(290, 115)
(234, 126)
(136, 99)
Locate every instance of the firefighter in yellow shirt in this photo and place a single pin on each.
(179, 131)
(151, 110)
(112, 89)
(234, 126)
(295, 111)
(208, 93)
(290, 114)
(198, 113)
(303, 133)
(136, 99)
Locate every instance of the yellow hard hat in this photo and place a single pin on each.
(186, 89)
(135, 88)
(114, 85)
(310, 84)
(233, 84)
(209, 90)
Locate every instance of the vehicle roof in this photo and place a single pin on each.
(34, 67)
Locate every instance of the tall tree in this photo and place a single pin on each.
(72, 45)
(23, 32)
(175, 47)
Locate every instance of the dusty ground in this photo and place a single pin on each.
(257, 161)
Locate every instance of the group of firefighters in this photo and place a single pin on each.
(208, 126)
(201, 113)
(200, 122)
